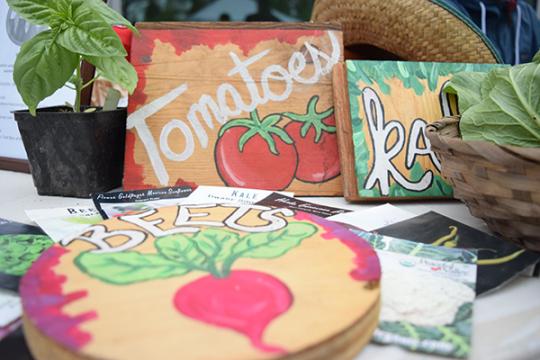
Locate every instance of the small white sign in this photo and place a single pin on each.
(373, 218)
(221, 195)
(59, 223)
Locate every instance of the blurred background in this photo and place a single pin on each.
(221, 10)
(214, 10)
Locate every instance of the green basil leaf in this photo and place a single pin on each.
(41, 68)
(109, 15)
(124, 268)
(39, 12)
(116, 69)
(467, 86)
(275, 243)
(181, 249)
(18, 251)
(89, 34)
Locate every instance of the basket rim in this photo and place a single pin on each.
(508, 155)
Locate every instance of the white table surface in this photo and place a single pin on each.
(506, 323)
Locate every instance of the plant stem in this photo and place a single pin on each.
(89, 82)
(78, 87)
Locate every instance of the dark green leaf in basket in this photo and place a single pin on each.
(507, 111)
(467, 85)
(536, 58)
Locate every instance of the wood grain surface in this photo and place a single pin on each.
(244, 105)
(286, 286)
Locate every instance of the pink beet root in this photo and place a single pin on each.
(245, 301)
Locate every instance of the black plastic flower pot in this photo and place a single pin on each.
(74, 154)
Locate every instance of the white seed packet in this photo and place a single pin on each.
(62, 222)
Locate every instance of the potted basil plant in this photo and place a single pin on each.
(72, 150)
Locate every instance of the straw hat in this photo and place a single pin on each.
(415, 30)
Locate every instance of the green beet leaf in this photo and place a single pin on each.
(41, 68)
(181, 249)
(273, 244)
(128, 267)
(216, 243)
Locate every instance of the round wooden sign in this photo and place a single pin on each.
(204, 282)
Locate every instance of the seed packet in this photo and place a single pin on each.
(222, 195)
(20, 245)
(427, 295)
(62, 222)
(281, 200)
(499, 260)
(113, 204)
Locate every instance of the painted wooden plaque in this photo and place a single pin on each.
(204, 282)
(243, 105)
(384, 151)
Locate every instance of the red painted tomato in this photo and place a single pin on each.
(314, 136)
(255, 154)
(317, 161)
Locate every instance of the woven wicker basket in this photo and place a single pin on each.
(500, 184)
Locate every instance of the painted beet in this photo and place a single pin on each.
(245, 301)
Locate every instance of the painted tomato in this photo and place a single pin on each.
(314, 136)
(255, 153)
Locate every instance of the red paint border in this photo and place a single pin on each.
(43, 300)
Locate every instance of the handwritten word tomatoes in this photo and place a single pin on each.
(256, 153)
(314, 136)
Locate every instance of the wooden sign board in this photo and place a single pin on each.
(241, 104)
(204, 282)
(381, 127)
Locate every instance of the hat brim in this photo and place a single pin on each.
(413, 30)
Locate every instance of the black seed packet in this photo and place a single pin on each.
(499, 260)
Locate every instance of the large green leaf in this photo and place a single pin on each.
(90, 35)
(510, 111)
(117, 69)
(41, 68)
(536, 58)
(39, 12)
(109, 15)
(467, 85)
(181, 249)
(275, 243)
(128, 267)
